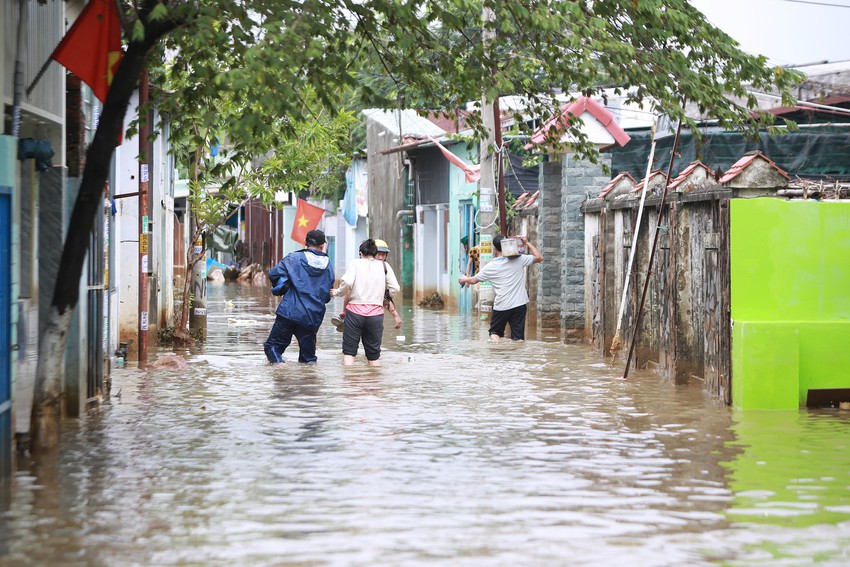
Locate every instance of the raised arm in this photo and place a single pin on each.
(538, 257)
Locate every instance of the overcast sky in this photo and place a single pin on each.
(788, 32)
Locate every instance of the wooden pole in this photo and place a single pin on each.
(616, 342)
(497, 132)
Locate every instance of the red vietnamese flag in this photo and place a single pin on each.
(92, 47)
(307, 218)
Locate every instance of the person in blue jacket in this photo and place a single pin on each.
(304, 279)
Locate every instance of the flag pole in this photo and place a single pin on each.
(40, 74)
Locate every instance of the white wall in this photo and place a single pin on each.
(430, 251)
(126, 233)
(162, 216)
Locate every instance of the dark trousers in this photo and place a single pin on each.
(514, 317)
(281, 336)
(368, 329)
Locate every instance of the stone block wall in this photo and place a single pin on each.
(549, 243)
(581, 179)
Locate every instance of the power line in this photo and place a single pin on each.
(812, 2)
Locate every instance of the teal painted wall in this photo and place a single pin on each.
(790, 275)
(459, 190)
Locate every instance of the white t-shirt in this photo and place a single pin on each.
(365, 281)
(507, 276)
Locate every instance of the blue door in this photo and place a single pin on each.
(5, 331)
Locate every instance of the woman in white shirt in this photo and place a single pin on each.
(365, 282)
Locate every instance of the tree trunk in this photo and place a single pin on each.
(182, 337)
(44, 424)
(198, 309)
(45, 419)
(181, 330)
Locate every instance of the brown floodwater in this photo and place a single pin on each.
(455, 452)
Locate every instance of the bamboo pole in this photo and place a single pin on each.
(652, 252)
(617, 341)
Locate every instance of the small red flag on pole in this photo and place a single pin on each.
(92, 47)
(471, 171)
(307, 218)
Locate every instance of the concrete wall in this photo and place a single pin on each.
(126, 242)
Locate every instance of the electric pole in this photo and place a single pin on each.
(487, 214)
(144, 234)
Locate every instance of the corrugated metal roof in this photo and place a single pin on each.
(411, 123)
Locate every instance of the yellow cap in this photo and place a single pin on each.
(382, 246)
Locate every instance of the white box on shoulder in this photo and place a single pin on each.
(510, 247)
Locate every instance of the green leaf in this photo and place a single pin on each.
(138, 33)
(159, 12)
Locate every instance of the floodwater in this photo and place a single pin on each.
(455, 452)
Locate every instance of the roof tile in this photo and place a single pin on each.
(739, 166)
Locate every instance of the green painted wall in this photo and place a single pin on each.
(790, 275)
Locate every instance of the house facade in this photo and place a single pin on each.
(48, 129)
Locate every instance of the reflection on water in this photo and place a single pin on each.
(455, 452)
(793, 468)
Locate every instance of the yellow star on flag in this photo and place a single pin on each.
(307, 218)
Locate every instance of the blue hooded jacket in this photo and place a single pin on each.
(305, 279)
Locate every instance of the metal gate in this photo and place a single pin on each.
(95, 320)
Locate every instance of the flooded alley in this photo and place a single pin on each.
(454, 452)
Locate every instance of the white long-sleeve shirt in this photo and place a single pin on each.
(365, 281)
